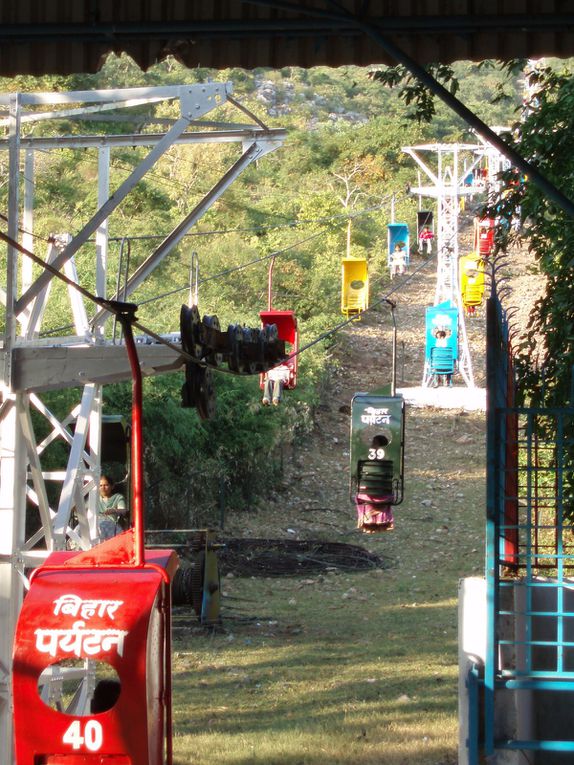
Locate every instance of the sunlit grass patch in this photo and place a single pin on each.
(344, 668)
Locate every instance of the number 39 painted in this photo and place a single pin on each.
(376, 454)
(92, 737)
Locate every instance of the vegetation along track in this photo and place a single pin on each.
(339, 667)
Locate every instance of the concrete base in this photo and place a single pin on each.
(513, 717)
(467, 399)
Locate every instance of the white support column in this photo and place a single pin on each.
(448, 188)
(30, 365)
(465, 360)
(12, 455)
(35, 469)
(74, 471)
(93, 471)
(28, 226)
(102, 232)
(36, 309)
(447, 238)
(12, 518)
(79, 313)
(13, 225)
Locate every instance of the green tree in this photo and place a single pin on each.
(543, 134)
(285, 204)
(545, 137)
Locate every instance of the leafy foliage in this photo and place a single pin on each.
(544, 136)
(413, 91)
(341, 125)
(488, 88)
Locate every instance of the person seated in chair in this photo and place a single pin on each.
(375, 495)
(425, 240)
(111, 509)
(441, 341)
(398, 259)
(275, 380)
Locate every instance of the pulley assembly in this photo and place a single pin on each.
(246, 350)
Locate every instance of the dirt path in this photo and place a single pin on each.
(314, 494)
(349, 667)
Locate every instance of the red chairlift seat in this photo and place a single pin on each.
(286, 323)
(484, 236)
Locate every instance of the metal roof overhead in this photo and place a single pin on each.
(65, 37)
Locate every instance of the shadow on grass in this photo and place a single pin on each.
(382, 698)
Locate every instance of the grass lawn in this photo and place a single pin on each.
(348, 668)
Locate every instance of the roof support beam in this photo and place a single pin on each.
(373, 31)
(248, 28)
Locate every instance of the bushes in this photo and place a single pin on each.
(195, 471)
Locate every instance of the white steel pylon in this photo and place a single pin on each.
(41, 509)
(495, 161)
(452, 165)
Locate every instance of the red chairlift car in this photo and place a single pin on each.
(286, 323)
(105, 610)
(484, 229)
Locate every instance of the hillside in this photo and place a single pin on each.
(341, 665)
(327, 192)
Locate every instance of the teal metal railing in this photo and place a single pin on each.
(529, 567)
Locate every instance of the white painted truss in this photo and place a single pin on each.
(41, 509)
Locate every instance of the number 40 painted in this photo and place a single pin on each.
(92, 737)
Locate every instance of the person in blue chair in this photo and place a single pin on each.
(398, 259)
(441, 341)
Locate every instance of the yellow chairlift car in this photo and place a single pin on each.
(354, 286)
(471, 271)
